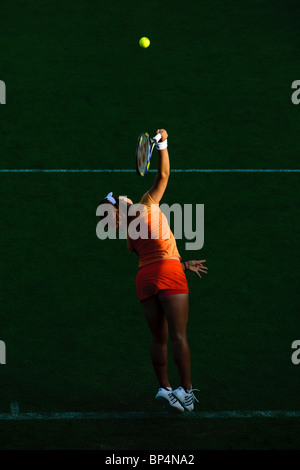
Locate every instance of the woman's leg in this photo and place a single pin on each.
(159, 329)
(176, 309)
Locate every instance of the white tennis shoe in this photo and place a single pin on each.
(187, 399)
(168, 401)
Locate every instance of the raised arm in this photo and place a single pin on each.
(163, 170)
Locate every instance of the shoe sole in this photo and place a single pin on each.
(166, 405)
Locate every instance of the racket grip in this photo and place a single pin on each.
(157, 137)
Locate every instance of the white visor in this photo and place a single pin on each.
(110, 198)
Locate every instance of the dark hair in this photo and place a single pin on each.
(117, 215)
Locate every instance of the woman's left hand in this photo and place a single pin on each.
(197, 266)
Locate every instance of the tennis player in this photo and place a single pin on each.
(162, 286)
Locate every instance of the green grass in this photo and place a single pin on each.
(218, 78)
(170, 435)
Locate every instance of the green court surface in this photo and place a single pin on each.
(218, 77)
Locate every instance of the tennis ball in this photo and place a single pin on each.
(144, 42)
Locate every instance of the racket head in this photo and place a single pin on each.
(143, 153)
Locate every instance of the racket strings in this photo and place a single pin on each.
(143, 153)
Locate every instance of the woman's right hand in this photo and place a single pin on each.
(163, 133)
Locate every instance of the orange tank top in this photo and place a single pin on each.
(156, 241)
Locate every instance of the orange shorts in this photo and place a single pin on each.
(164, 277)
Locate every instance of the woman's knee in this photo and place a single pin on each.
(178, 337)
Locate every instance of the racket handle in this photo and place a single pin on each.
(157, 137)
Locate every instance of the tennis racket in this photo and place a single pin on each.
(143, 152)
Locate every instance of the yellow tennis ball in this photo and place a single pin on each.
(144, 42)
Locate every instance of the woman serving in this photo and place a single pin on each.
(161, 284)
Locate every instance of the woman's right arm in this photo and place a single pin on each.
(163, 170)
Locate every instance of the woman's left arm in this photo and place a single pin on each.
(195, 266)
